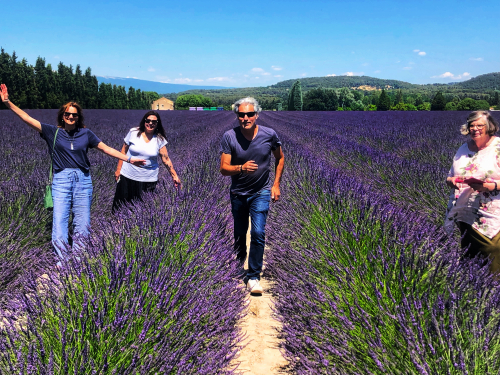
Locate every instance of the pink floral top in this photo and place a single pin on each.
(479, 209)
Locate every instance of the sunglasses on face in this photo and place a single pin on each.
(243, 114)
(68, 114)
(148, 121)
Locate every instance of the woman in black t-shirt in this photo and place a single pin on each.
(71, 185)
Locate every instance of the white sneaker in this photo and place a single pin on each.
(254, 286)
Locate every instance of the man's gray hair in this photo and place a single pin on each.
(247, 100)
(491, 124)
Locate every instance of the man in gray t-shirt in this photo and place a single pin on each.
(246, 157)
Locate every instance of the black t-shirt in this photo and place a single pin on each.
(242, 150)
(71, 148)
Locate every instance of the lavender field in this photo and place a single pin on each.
(365, 280)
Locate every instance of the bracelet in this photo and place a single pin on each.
(6, 101)
(128, 160)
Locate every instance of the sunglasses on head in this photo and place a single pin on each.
(148, 121)
(67, 114)
(249, 114)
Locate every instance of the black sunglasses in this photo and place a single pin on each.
(67, 114)
(154, 122)
(249, 114)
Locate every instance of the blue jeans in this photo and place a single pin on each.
(71, 191)
(257, 207)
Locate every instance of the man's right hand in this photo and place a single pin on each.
(249, 167)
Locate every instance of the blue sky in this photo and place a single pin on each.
(259, 43)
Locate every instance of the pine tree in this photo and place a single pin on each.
(384, 102)
(439, 102)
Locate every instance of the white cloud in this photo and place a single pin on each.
(266, 74)
(257, 70)
(416, 50)
(331, 75)
(407, 68)
(377, 71)
(303, 74)
(278, 76)
(350, 74)
(476, 59)
(452, 76)
(256, 77)
(397, 62)
(218, 79)
(56, 57)
(422, 53)
(274, 67)
(151, 69)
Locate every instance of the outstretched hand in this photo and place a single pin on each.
(4, 95)
(137, 162)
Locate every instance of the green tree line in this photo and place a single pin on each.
(42, 86)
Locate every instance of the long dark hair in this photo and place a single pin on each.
(159, 131)
(64, 108)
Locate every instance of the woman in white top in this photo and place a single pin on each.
(474, 204)
(149, 141)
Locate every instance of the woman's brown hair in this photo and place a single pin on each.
(64, 107)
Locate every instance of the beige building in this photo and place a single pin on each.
(162, 104)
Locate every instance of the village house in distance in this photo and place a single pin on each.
(162, 104)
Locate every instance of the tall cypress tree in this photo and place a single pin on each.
(384, 102)
(297, 97)
(290, 97)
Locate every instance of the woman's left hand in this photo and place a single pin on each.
(137, 162)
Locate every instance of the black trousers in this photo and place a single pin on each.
(128, 190)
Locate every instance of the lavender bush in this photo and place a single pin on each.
(145, 296)
(366, 282)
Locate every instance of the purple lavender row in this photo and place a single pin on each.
(365, 286)
(155, 291)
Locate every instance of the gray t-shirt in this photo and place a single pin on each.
(242, 150)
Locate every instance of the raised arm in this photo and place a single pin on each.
(117, 154)
(124, 151)
(168, 164)
(279, 166)
(4, 95)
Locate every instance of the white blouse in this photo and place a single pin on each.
(479, 209)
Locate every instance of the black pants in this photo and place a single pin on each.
(481, 245)
(128, 190)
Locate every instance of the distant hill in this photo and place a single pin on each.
(362, 82)
(159, 87)
(490, 81)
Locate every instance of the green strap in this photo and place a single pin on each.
(52, 157)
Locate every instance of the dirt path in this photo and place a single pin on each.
(261, 355)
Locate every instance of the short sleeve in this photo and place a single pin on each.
(126, 140)
(93, 139)
(48, 132)
(161, 142)
(275, 143)
(225, 144)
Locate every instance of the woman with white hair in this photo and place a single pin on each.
(474, 204)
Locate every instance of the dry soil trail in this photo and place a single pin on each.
(260, 355)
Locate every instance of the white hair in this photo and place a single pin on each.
(247, 100)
